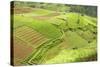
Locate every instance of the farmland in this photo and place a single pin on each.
(43, 34)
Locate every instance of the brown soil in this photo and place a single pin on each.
(29, 35)
(21, 10)
(46, 16)
(21, 49)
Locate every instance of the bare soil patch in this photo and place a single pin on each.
(21, 10)
(21, 49)
(46, 16)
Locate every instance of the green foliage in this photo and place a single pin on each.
(43, 27)
(78, 27)
(75, 55)
(70, 55)
(75, 40)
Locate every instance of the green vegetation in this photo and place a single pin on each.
(54, 33)
(81, 54)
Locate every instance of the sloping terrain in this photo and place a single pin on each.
(44, 37)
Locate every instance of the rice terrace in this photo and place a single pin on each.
(53, 33)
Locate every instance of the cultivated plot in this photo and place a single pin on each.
(51, 33)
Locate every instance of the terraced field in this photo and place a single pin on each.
(74, 55)
(26, 40)
(47, 36)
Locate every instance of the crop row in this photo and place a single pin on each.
(29, 35)
(26, 41)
